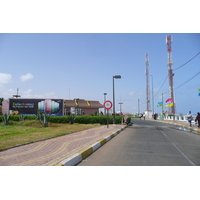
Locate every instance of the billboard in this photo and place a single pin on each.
(31, 106)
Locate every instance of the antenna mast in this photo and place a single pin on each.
(147, 84)
(16, 95)
(170, 72)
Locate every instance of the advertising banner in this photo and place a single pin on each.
(31, 106)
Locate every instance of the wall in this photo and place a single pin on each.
(90, 111)
(5, 107)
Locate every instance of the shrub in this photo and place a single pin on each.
(59, 119)
(18, 117)
(71, 119)
(43, 118)
(5, 119)
(128, 120)
(97, 119)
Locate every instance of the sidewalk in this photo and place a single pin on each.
(183, 124)
(55, 151)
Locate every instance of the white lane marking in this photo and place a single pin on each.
(179, 150)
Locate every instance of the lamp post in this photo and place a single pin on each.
(117, 77)
(104, 101)
(152, 94)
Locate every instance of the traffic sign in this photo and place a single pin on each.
(107, 105)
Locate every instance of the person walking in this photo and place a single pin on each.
(144, 116)
(189, 118)
(198, 119)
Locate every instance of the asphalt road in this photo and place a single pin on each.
(148, 143)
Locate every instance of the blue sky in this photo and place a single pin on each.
(81, 65)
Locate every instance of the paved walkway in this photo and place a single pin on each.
(52, 151)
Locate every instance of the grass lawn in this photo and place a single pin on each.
(31, 130)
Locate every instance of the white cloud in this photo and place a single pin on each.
(5, 78)
(45, 95)
(26, 77)
(29, 94)
(8, 93)
(131, 93)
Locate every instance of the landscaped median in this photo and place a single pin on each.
(19, 131)
(80, 156)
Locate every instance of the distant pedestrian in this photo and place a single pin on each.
(198, 119)
(144, 116)
(155, 116)
(141, 115)
(189, 118)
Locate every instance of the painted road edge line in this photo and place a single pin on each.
(80, 156)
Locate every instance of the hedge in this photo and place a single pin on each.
(77, 119)
(96, 119)
(17, 117)
(59, 119)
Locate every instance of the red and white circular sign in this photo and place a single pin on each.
(108, 105)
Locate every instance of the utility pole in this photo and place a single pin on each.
(138, 107)
(120, 105)
(114, 77)
(162, 106)
(148, 102)
(152, 94)
(104, 101)
(170, 74)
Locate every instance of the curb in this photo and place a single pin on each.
(80, 156)
(186, 127)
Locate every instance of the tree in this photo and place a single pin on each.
(1, 100)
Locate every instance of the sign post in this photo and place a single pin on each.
(107, 106)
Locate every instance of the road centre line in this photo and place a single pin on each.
(179, 150)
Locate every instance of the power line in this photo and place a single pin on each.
(161, 86)
(160, 82)
(176, 69)
(187, 61)
(188, 80)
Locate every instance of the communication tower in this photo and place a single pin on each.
(147, 84)
(170, 72)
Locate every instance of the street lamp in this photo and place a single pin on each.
(104, 101)
(117, 77)
(152, 94)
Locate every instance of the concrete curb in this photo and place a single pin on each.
(80, 156)
(184, 126)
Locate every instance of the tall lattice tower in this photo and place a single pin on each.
(148, 102)
(170, 72)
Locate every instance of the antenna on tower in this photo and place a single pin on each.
(16, 95)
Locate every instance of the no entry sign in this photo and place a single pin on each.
(107, 105)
